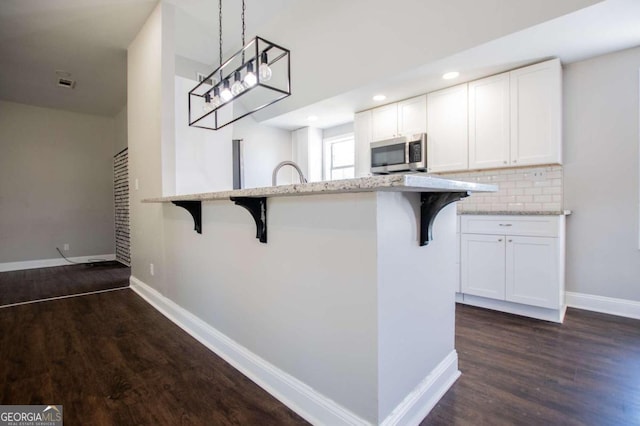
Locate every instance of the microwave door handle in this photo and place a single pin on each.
(406, 153)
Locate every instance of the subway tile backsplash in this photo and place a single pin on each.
(527, 189)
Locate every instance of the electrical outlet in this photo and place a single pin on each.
(66, 247)
(151, 269)
(538, 175)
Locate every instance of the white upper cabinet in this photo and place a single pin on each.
(403, 118)
(447, 130)
(536, 114)
(412, 116)
(489, 122)
(506, 120)
(362, 134)
(384, 122)
(515, 118)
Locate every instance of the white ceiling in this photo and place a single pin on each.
(603, 27)
(88, 38)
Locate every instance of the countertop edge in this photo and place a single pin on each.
(517, 213)
(395, 183)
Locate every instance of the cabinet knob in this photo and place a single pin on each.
(515, 161)
(500, 240)
(510, 241)
(505, 161)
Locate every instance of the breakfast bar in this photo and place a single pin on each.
(346, 311)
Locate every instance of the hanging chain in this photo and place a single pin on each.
(244, 7)
(220, 34)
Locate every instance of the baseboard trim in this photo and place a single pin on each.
(554, 315)
(605, 305)
(308, 403)
(415, 407)
(48, 263)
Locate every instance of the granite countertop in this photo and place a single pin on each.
(415, 182)
(519, 213)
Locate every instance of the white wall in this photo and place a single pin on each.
(120, 141)
(263, 148)
(147, 81)
(415, 289)
(203, 157)
(276, 299)
(601, 175)
(56, 183)
(307, 153)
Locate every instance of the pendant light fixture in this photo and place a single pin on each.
(256, 76)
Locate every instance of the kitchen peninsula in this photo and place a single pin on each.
(345, 313)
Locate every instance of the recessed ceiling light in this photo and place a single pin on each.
(450, 75)
(312, 117)
(379, 97)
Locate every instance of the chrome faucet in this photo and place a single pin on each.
(287, 163)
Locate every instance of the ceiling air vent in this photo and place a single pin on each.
(65, 82)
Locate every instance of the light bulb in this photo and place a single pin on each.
(208, 106)
(237, 87)
(250, 79)
(216, 97)
(225, 93)
(264, 70)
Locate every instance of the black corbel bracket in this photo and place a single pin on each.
(430, 205)
(195, 208)
(258, 208)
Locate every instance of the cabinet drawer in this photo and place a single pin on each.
(533, 226)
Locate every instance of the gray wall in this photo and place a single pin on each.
(601, 175)
(120, 122)
(56, 183)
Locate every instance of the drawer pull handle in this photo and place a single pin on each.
(506, 224)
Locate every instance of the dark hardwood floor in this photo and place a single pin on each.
(37, 284)
(520, 371)
(112, 359)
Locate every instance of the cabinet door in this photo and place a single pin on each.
(532, 271)
(362, 136)
(412, 116)
(384, 122)
(482, 262)
(536, 114)
(447, 130)
(489, 122)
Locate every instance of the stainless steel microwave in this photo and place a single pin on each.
(405, 153)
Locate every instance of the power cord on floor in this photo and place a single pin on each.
(90, 261)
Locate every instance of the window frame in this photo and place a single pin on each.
(327, 163)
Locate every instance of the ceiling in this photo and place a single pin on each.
(403, 54)
(88, 39)
(600, 28)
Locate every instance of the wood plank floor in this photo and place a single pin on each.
(520, 371)
(111, 359)
(43, 283)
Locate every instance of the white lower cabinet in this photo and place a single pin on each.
(532, 273)
(483, 265)
(515, 259)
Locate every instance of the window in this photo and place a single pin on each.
(339, 157)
